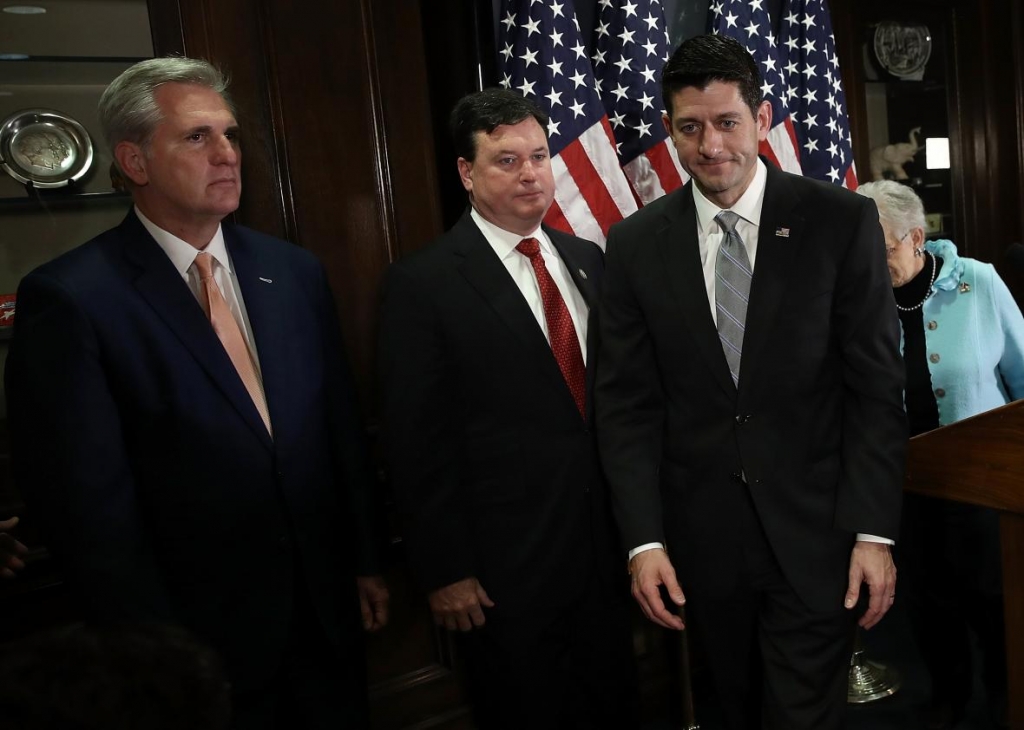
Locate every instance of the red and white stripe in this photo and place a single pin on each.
(591, 191)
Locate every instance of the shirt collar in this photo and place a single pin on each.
(748, 207)
(504, 242)
(181, 253)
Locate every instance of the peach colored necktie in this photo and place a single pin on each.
(230, 335)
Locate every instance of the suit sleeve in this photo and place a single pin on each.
(629, 402)
(422, 437)
(70, 458)
(875, 432)
(351, 456)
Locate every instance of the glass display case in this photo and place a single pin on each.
(56, 189)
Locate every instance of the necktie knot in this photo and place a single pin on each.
(727, 220)
(204, 265)
(529, 247)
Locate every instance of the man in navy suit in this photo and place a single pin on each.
(184, 423)
(487, 347)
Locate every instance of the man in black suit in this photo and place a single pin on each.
(486, 338)
(183, 419)
(762, 445)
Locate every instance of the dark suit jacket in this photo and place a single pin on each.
(816, 426)
(494, 470)
(138, 445)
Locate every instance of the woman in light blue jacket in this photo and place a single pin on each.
(963, 347)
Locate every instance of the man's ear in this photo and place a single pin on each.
(764, 120)
(132, 162)
(465, 168)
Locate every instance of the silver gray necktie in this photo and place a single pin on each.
(732, 290)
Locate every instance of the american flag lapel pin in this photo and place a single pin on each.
(782, 232)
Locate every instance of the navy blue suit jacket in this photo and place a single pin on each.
(161, 490)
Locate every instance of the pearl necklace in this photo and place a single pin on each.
(927, 293)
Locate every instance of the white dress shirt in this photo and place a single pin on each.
(183, 254)
(519, 267)
(709, 239)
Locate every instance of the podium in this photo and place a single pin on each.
(980, 460)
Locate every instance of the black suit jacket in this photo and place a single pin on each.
(816, 425)
(137, 444)
(494, 470)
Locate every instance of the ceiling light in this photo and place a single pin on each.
(13, 56)
(24, 10)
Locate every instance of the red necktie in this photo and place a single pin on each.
(564, 343)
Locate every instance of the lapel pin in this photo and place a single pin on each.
(583, 274)
(964, 287)
(267, 281)
(782, 232)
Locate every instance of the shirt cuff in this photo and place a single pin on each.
(863, 537)
(644, 548)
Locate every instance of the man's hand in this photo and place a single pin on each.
(650, 570)
(871, 563)
(373, 601)
(458, 606)
(10, 550)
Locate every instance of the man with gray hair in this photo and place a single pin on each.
(184, 423)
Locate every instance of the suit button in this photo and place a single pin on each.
(283, 543)
(736, 475)
(741, 419)
(934, 357)
(933, 325)
(940, 393)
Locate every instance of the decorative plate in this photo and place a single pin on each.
(44, 148)
(903, 50)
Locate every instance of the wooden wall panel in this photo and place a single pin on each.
(339, 158)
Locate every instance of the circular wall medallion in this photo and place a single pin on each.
(903, 50)
(44, 148)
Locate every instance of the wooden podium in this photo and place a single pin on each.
(980, 460)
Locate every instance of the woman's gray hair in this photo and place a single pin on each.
(899, 207)
(128, 110)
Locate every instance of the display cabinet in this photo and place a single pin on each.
(56, 192)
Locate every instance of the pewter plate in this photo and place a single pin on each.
(902, 49)
(44, 148)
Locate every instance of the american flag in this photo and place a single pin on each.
(542, 56)
(750, 24)
(631, 47)
(815, 92)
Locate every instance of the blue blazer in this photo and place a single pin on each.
(138, 446)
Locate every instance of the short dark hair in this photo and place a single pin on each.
(707, 58)
(484, 111)
(101, 677)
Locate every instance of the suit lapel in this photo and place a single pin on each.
(680, 250)
(265, 294)
(488, 276)
(160, 285)
(586, 282)
(779, 238)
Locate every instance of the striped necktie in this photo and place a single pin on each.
(732, 290)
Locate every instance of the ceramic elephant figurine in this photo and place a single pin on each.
(892, 157)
